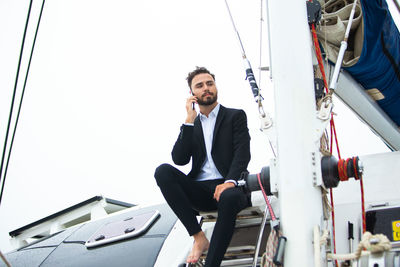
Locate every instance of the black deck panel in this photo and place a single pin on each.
(53, 240)
(162, 225)
(27, 258)
(140, 252)
(67, 248)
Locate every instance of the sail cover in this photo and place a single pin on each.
(373, 56)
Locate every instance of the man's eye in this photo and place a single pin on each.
(210, 83)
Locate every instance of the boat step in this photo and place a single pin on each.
(248, 213)
(243, 262)
(236, 256)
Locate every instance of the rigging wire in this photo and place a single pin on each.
(266, 121)
(260, 69)
(249, 71)
(22, 94)
(261, 42)
(269, 40)
(235, 29)
(14, 93)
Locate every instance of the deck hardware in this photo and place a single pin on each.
(123, 229)
(319, 88)
(130, 229)
(334, 171)
(100, 237)
(278, 258)
(313, 11)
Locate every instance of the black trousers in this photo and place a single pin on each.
(186, 197)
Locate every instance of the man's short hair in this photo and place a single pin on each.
(197, 71)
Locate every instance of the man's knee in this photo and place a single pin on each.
(233, 197)
(163, 173)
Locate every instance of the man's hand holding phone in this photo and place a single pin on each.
(191, 112)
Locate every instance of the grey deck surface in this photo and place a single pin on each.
(68, 248)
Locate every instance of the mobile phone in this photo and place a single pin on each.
(193, 102)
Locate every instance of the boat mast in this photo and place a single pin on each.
(297, 165)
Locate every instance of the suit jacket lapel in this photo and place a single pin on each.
(198, 132)
(220, 116)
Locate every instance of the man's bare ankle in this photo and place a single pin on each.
(199, 235)
(200, 245)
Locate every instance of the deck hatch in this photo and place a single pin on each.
(123, 229)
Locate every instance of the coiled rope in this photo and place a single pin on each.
(267, 259)
(370, 243)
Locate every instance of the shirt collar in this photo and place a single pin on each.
(213, 113)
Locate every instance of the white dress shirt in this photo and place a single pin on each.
(209, 171)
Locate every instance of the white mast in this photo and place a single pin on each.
(297, 150)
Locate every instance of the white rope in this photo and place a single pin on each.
(324, 238)
(272, 244)
(317, 247)
(372, 243)
(318, 242)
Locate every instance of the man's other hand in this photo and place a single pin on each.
(221, 188)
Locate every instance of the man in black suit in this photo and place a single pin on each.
(218, 143)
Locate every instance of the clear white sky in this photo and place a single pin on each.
(106, 94)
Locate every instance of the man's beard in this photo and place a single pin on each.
(210, 99)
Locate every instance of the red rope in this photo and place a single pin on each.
(342, 165)
(336, 140)
(271, 211)
(344, 176)
(363, 205)
(345, 163)
(321, 67)
(357, 177)
(342, 170)
(332, 124)
(319, 55)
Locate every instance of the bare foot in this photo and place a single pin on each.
(200, 245)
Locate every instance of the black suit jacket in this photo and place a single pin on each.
(230, 148)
